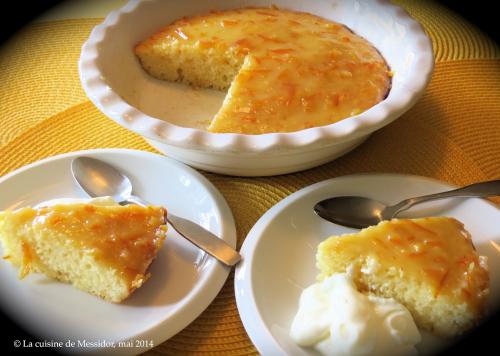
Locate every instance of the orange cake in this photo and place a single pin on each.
(104, 250)
(285, 71)
(429, 265)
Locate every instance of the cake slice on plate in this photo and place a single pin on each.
(101, 249)
(430, 265)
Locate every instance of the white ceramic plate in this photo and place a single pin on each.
(184, 280)
(279, 251)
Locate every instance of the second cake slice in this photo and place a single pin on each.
(430, 265)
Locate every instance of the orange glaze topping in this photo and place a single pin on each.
(437, 251)
(124, 237)
(301, 70)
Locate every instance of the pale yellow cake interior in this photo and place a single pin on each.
(429, 265)
(285, 71)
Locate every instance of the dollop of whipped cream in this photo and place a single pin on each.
(336, 319)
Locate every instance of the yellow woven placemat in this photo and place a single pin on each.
(450, 134)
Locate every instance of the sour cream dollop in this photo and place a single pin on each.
(336, 319)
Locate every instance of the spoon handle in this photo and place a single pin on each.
(205, 240)
(483, 189)
(197, 235)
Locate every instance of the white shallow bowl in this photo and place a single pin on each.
(165, 113)
(279, 251)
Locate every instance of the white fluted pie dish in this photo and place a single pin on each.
(166, 114)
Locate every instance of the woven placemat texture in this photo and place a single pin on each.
(450, 134)
(39, 73)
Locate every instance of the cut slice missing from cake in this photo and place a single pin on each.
(284, 70)
(104, 250)
(430, 265)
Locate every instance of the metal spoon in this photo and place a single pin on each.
(98, 179)
(360, 212)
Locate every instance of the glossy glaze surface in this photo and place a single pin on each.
(125, 238)
(437, 252)
(297, 70)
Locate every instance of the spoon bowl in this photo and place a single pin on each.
(352, 211)
(98, 179)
